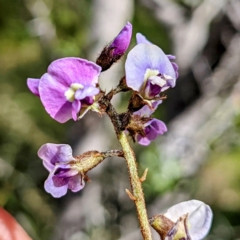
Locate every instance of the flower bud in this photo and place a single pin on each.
(114, 51)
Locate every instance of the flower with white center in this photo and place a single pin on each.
(69, 85)
(149, 70)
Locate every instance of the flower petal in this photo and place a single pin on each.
(56, 192)
(158, 126)
(143, 57)
(122, 41)
(65, 171)
(142, 39)
(199, 216)
(86, 92)
(53, 98)
(142, 140)
(76, 183)
(146, 111)
(76, 106)
(74, 70)
(33, 84)
(52, 153)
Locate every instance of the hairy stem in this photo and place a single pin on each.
(136, 185)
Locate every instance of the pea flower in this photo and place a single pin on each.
(148, 70)
(184, 221)
(64, 175)
(69, 85)
(148, 128)
(115, 50)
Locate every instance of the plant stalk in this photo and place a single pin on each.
(136, 186)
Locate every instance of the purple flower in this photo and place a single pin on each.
(148, 70)
(121, 42)
(68, 85)
(58, 160)
(152, 128)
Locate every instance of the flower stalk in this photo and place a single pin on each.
(136, 186)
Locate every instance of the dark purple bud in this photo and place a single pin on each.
(121, 43)
(115, 50)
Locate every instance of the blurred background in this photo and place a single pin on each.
(199, 157)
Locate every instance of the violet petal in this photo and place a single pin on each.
(52, 153)
(146, 111)
(158, 126)
(74, 70)
(33, 84)
(142, 140)
(76, 106)
(142, 39)
(122, 41)
(53, 98)
(56, 192)
(86, 92)
(76, 183)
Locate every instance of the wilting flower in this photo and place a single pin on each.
(148, 70)
(150, 128)
(184, 221)
(115, 50)
(68, 85)
(64, 175)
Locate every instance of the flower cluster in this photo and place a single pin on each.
(70, 88)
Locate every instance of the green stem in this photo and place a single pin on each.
(136, 185)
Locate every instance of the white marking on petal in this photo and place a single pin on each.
(149, 73)
(76, 86)
(156, 80)
(167, 77)
(70, 93)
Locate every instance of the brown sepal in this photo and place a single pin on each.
(136, 125)
(161, 224)
(107, 58)
(136, 102)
